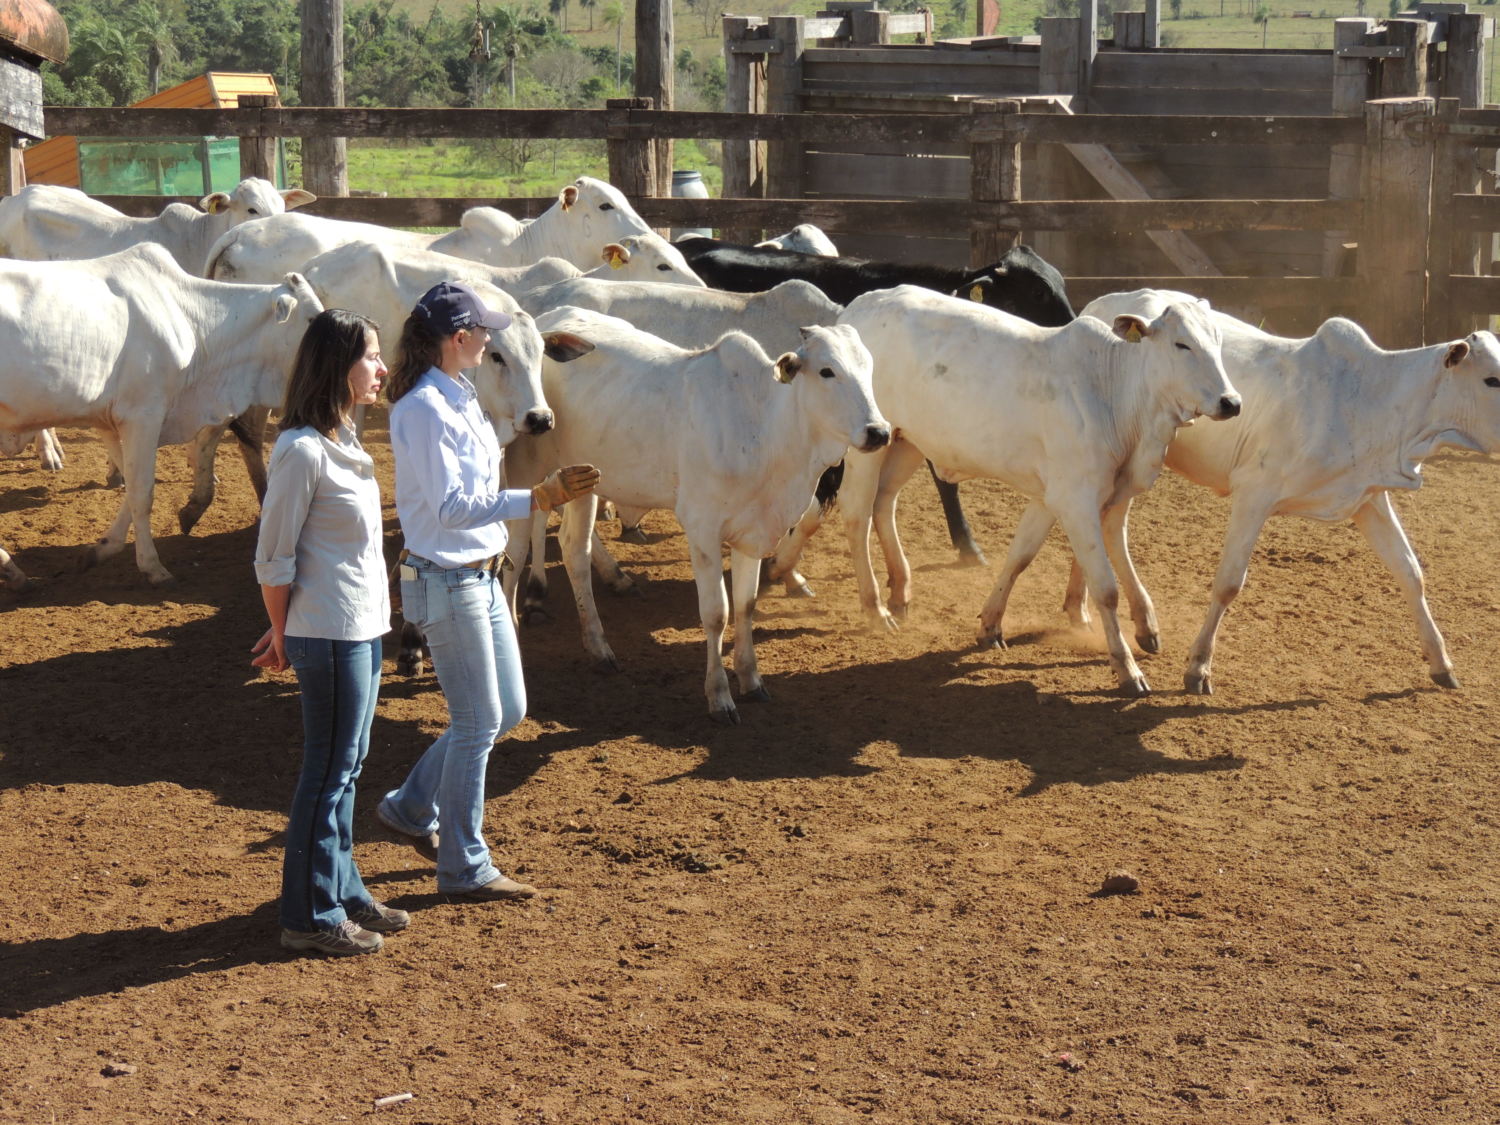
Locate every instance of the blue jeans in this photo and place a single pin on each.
(472, 642)
(340, 680)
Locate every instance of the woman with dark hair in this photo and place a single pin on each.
(451, 499)
(322, 578)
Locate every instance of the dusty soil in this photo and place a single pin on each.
(876, 900)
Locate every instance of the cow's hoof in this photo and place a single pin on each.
(633, 535)
(188, 518)
(1198, 684)
(986, 641)
(629, 588)
(899, 612)
(162, 581)
(1150, 642)
(535, 615)
(759, 695)
(727, 717)
(1446, 680)
(970, 555)
(884, 624)
(799, 590)
(114, 479)
(608, 665)
(1137, 688)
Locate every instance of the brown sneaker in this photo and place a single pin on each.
(498, 889)
(381, 919)
(426, 845)
(344, 939)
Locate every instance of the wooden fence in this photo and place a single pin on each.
(1405, 144)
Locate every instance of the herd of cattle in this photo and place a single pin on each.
(734, 386)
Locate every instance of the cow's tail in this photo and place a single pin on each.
(828, 487)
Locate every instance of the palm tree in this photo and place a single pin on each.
(614, 13)
(590, 5)
(149, 27)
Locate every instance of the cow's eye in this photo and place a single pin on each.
(498, 358)
(1492, 381)
(1184, 347)
(253, 211)
(663, 267)
(606, 206)
(827, 373)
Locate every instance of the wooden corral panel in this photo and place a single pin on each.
(1252, 83)
(920, 70)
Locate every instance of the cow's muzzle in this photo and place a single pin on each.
(1229, 407)
(876, 437)
(540, 421)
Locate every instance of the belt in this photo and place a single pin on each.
(492, 565)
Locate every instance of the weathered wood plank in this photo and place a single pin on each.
(1393, 234)
(855, 176)
(1107, 128)
(903, 55)
(1476, 295)
(1247, 102)
(1227, 71)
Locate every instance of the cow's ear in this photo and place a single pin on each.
(567, 197)
(295, 197)
(1457, 353)
(976, 292)
(564, 347)
(616, 255)
(214, 202)
(787, 367)
(1131, 328)
(286, 305)
(806, 332)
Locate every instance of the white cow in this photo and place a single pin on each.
(805, 238)
(588, 214)
(1076, 417)
(727, 438)
(12, 575)
(1331, 425)
(48, 448)
(45, 222)
(689, 318)
(159, 356)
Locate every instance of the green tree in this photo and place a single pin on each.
(149, 26)
(614, 15)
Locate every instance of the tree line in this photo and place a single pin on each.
(124, 50)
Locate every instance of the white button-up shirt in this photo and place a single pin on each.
(450, 487)
(320, 533)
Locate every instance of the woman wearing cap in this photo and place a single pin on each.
(452, 506)
(322, 576)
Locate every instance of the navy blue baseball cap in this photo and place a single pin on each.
(449, 306)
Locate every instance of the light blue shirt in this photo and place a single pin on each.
(320, 532)
(450, 485)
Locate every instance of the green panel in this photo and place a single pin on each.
(160, 166)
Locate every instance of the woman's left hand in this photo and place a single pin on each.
(271, 650)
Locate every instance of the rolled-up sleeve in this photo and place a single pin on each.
(292, 480)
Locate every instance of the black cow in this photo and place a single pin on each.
(1021, 283)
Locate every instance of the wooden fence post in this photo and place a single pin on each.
(632, 156)
(1088, 44)
(258, 153)
(1130, 30)
(1351, 89)
(784, 95)
(1395, 220)
(325, 159)
(1153, 23)
(994, 174)
(1464, 69)
(869, 28)
(1451, 248)
(655, 70)
(1059, 65)
(1405, 77)
(742, 160)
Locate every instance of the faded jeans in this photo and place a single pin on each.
(340, 680)
(472, 641)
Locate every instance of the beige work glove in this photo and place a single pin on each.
(563, 485)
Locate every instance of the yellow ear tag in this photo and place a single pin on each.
(1134, 335)
(615, 261)
(977, 293)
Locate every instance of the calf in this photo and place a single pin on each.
(724, 436)
(1332, 424)
(1077, 417)
(159, 356)
(1021, 283)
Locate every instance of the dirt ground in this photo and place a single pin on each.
(875, 900)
